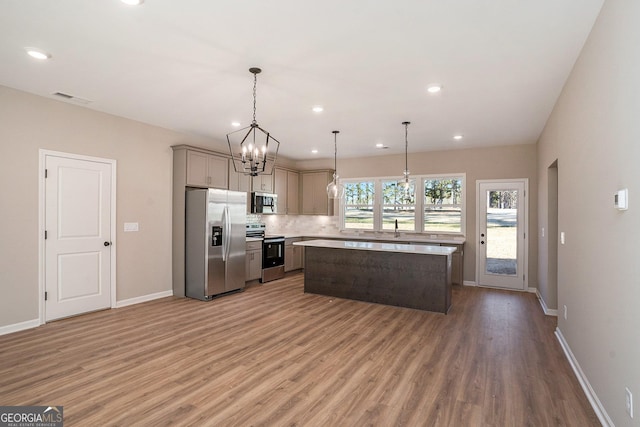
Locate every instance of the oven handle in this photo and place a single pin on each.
(279, 240)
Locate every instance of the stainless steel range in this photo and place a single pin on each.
(272, 252)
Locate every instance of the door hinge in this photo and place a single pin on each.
(525, 235)
(45, 234)
(46, 295)
(46, 172)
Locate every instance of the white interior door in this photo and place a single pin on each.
(78, 236)
(501, 234)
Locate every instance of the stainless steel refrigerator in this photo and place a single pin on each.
(215, 242)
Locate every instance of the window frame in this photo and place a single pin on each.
(462, 203)
(344, 205)
(383, 205)
(378, 206)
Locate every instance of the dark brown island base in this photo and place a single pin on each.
(412, 276)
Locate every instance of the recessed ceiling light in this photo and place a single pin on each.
(235, 124)
(314, 151)
(132, 2)
(318, 109)
(434, 88)
(37, 53)
(457, 137)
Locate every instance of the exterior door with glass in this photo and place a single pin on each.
(502, 226)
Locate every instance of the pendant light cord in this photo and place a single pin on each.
(406, 151)
(406, 147)
(335, 155)
(255, 84)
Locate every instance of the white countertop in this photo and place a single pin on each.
(254, 239)
(385, 237)
(379, 247)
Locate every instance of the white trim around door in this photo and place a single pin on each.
(43, 154)
(502, 224)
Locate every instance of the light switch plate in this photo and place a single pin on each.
(621, 199)
(130, 226)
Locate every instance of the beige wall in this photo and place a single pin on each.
(507, 162)
(143, 155)
(594, 133)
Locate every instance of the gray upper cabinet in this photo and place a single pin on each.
(262, 183)
(238, 181)
(286, 187)
(207, 170)
(314, 192)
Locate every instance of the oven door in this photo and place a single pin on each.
(272, 253)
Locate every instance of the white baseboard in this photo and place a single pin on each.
(584, 382)
(532, 290)
(29, 324)
(548, 311)
(144, 298)
(469, 283)
(16, 327)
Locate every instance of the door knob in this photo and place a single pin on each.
(107, 243)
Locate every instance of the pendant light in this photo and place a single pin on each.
(335, 190)
(256, 152)
(405, 182)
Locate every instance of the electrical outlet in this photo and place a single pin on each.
(542, 231)
(628, 401)
(130, 226)
(565, 312)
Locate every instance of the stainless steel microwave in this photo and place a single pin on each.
(264, 203)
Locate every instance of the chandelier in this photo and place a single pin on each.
(254, 151)
(405, 182)
(335, 190)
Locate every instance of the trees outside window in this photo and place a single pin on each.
(398, 204)
(377, 203)
(443, 205)
(358, 205)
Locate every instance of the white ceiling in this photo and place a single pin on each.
(183, 65)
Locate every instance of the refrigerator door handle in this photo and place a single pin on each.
(225, 234)
(229, 231)
(226, 220)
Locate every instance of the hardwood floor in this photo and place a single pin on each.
(274, 356)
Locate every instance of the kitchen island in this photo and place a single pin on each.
(413, 276)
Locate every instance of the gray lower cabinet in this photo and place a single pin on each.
(293, 255)
(253, 268)
(456, 265)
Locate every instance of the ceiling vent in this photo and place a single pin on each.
(71, 98)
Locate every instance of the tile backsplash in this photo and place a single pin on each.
(301, 224)
(320, 225)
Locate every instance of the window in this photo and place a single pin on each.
(398, 206)
(432, 204)
(443, 205)
(358, 205)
